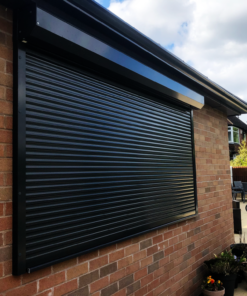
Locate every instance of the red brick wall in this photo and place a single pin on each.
(164, 262)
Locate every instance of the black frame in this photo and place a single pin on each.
(19, 263)
(19, 143)
(19, 230)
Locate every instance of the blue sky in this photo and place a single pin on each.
(207, 34)
(105, 3)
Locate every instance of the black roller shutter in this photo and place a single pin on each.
(102, 163)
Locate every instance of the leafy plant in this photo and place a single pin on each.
(212, 285)
(241, 159)
(225, 264)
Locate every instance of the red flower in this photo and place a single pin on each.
(212, 281)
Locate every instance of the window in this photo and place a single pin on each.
(244, 136)
(233, 134)
(101, 164)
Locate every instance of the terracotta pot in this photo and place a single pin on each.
(214, 293)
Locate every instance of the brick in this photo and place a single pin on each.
(88, 256)
(153, 267)
(140, 255)
(120, 293)
(152, 250)
(99, 262)
(9, 68)
(88, 278)
(9, 282)
(64, 265)
(125, 262)
(140, 274)
(8, 179)
(126, 281)
(27, 290)
(147, 279)
(51, 281)
(2, 179)
(191, 247)
(9, 150)
(5, 223)
(77, 270)
(30, 277)
(6, 79)
(110, 290)
(153, 284)
(8, 238)
(147, 261)
(132, 249)
(6, 53)
(124, 244)
(187, 256)
(117, 275)
(46, 293)
(1, 209)
(65, 288)
(2, 38)
(2, 121)
(80, 292)
(134, 287)
(158, 256)
(8, 208)
(116, 255)
(157, 239)
(6, 165)
(6, 107)
(2, 65)
(132, 268)
(5, 254)
(99, 284)
(1, 270)
(107, 250)
(1, 239)
(2, 148)
(6, 26)
(169, 251)
(9, 94)
(7, 267)
(145, 244)
(8, 122)
(108, 269)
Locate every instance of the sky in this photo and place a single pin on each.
(209, 35)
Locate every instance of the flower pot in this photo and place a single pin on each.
(214, 293)
(228, 282)
(238, 249)
(245, 275)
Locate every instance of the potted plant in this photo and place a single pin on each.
(240, 249)
(225, 268)
(244, 269)
(212, 287)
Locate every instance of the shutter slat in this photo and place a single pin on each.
(102, 163)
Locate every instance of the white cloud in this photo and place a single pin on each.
(208, 34)
(164, 21)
